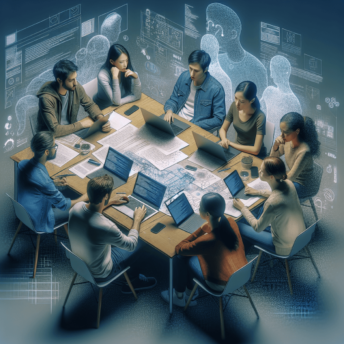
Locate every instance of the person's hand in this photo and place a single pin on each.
(119, 199)
(279, 141)
(250, 191)
(128, 72)
(237, 203)
(169, 116)
(106, 127)
(224, 143)
(86, 122)
(114, 72)
(140, 213)
(60, 181)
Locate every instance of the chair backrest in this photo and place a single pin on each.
(269, 136)
(79, 266)
(239, 278)
(316, 178)
(33, 124)
(91, 88)
(22, 214)
(303, 239)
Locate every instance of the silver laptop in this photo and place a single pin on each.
(236, 186)
(177, 125)
(147, 192)
(96, 126)
(183, 214)
(117, 165)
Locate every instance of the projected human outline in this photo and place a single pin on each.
(210, 44)
(277, 101)
(111, 27)
(238, 64)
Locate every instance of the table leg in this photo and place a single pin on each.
(171, 284)
(15, 181)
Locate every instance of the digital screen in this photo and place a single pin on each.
(234, 183)
(180, 209)
(118, 164)
(149, 189)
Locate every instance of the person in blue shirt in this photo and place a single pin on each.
(37, 192)
(197, 96)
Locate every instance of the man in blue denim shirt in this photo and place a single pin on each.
(37, 192)
(197, 96)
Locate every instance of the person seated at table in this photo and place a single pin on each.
(281, 218)
(211, 254)
(59, 103)
(98, 241)
(197, 96)
(248, 121)
(118, 83)
(37, 192)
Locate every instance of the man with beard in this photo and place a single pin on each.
(37, 192)
(59, 103)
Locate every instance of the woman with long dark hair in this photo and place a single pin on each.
(248, 121)
(211, 254)
(118, 83)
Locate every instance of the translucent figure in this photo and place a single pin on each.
(36, 83)
(210, 44)
(25, 107)
(238, 64)
(277, 101)
(111, 27)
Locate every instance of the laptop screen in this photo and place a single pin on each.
(180, 209)
(149, 189)
(118, 164)
(234, 183)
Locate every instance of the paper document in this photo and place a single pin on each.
(206, 160)
(84, 168)
(118, 121)
(230, 210)
(72, 139)
(258, 184)
(204, 178)
(159, 159)
(63, 155)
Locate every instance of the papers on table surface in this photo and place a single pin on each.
(73, 139)
(159, 159)
(230, 210)
(258, 184)
(84, 168)
(63, 155)
(204, 178)
(118, 121)
(206, 160)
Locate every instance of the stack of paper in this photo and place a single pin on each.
(84, 168)
(63, 155)
(118, 121)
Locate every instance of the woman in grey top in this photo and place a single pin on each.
(118, 84)
(248, 121)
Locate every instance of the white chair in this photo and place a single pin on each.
(25, 218)
(81, 268)
(301, 242)
(237, 280)
(269, 136)
(91, 88)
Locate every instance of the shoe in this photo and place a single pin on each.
(175, 299)
(195, 296)
(139, 283)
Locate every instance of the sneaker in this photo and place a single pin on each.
(139, 283)
(195, 295)
(176, 300)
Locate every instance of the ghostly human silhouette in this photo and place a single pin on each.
(111, 27)
(239, 65)
(36, 83)
(210, 45)
(25, 107)
(277, 101)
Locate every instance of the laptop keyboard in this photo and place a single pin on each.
(176, 129)
(192, 224)
(134, 203)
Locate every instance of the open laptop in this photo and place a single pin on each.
(96, 126)
(147, 192)
(236, 186)
(177, 125)
(116, 165)
(183, 214)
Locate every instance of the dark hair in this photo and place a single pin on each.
(275, 167)
(308, 132)
(99, 187)
(42, 141)
(63, 68)
(249, 90)
(115, 51)
(214, 204)
(201, 57)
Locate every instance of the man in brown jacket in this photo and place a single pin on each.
(59, 103)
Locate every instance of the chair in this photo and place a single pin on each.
(81, 268)
(269, 136)
(215, 130)
(91, 88)
(237, 280)
(33, 124)
(25, 219)
(301, 242)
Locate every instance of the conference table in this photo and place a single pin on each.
(167, 239)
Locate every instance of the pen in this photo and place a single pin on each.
(225, 169)
(121, 193)
(94, 162)
(65, 175)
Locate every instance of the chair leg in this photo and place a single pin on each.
(70, 289)
(314, 209)
(66, 229)
(191, 296)
(15, 235)
(288, 275)
(55, 235)
(310, 256)
(252, 304)
(130, 285)
(99, 305)
(221, 319)
(256, 267)
(36, 255)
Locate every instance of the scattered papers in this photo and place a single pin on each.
(230, 210)
(204, 178)
(71, 140)
(258, 184)
(118, 121)
(63, 155)
(84, 168)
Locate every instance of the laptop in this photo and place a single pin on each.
(183, 214)
(147, 192)
(177, 125)
(117, 165)
(96, 126)
(236, 186)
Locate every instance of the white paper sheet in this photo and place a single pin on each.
(204, 178)
(206, 160)
(72, 139)
(63, 155)
(84, 168)
(230, 210)
(258, 184)
(118, 121)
